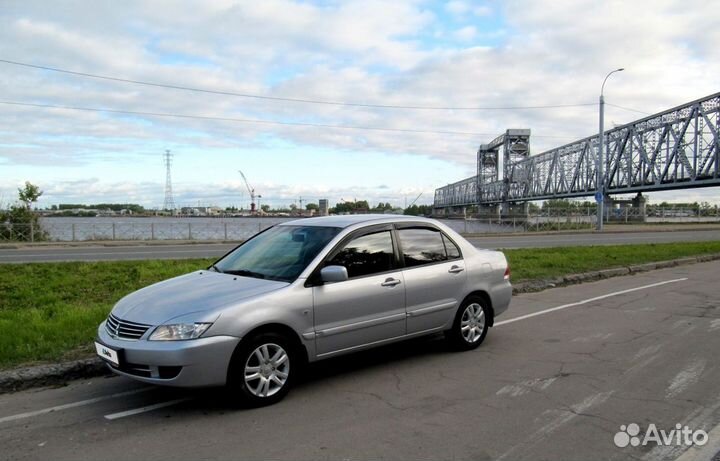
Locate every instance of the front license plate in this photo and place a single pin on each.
(107, 353)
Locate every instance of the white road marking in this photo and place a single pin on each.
(586, 301)
(686, 378)
(144, 409)
(559, 419)
(523, 387)
(66, 406)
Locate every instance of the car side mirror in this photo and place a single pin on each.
(333, 274)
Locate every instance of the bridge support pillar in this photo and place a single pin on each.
(632, 210)
(515, 209)
(639, 203)
(489, 211)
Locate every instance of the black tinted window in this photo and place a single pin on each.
(367, 254)
(453, 252)
(421, 246)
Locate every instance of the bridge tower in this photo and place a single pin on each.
(495, 162)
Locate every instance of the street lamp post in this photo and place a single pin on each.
(599, 167)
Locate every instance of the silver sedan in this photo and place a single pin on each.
(303, 291)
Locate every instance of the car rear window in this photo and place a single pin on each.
(422, 246)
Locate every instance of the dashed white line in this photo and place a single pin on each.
(144, 409)
(586, 301)
(81, 403)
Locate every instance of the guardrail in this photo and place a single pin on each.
(152, 230)
(241, 229)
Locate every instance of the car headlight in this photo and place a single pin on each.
(179, 331)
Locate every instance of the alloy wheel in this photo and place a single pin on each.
(266, 370)
(472, 323)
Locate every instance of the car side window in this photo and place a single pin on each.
(422, 246)
(366, 255)
(453, 252)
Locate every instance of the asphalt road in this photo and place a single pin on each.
(556, 379)
(211, 250)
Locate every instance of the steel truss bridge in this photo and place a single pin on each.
(675, 149)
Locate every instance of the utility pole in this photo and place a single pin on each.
(600, 195)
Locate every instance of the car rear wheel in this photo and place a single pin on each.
(262, 371)
(471, 324)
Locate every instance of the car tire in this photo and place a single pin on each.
(470, 325)
(262, 370)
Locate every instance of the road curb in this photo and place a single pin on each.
(50, 375)
(532, 286)
(60, 373)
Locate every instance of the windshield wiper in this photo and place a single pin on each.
(246, 273)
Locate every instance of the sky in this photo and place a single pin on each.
(456, 54)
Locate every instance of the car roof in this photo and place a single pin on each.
(343, 221)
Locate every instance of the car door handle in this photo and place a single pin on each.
(456, 269)
(390, 282)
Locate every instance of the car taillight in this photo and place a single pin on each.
(507, 273)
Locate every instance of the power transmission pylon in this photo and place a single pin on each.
(169, 200)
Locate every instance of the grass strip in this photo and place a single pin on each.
(544, 263)
(50, 311)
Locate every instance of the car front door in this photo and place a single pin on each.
(435, 277)
(369, 307)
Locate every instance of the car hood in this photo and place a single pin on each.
(195, 292)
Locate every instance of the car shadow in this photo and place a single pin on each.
(362, 361)
(214, 400)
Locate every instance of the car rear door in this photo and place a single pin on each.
(367, 308)
(434, 274)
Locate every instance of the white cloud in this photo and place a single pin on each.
(482, 11)
(466, 33)
(457, 7)
(365, 52)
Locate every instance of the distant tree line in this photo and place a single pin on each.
(135, 208)
(418, 210)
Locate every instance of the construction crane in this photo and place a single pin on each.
(416, 199)
(250, 190)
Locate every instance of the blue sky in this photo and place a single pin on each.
(406, 52)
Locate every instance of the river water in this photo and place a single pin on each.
(68, 229)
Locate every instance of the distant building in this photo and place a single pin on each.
(323, 207)
(201, 211)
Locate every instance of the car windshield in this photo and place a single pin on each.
(280, 253)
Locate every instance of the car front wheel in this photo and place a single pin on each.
(262, 370)
(471, 324)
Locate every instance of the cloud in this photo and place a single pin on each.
(466, 33)
(482, 11)
(457, 7)
(366, 52)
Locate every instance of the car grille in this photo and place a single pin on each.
(122, 329)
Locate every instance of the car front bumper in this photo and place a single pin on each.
(198, 362)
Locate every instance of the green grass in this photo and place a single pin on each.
(542, 263)
(50, 311)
